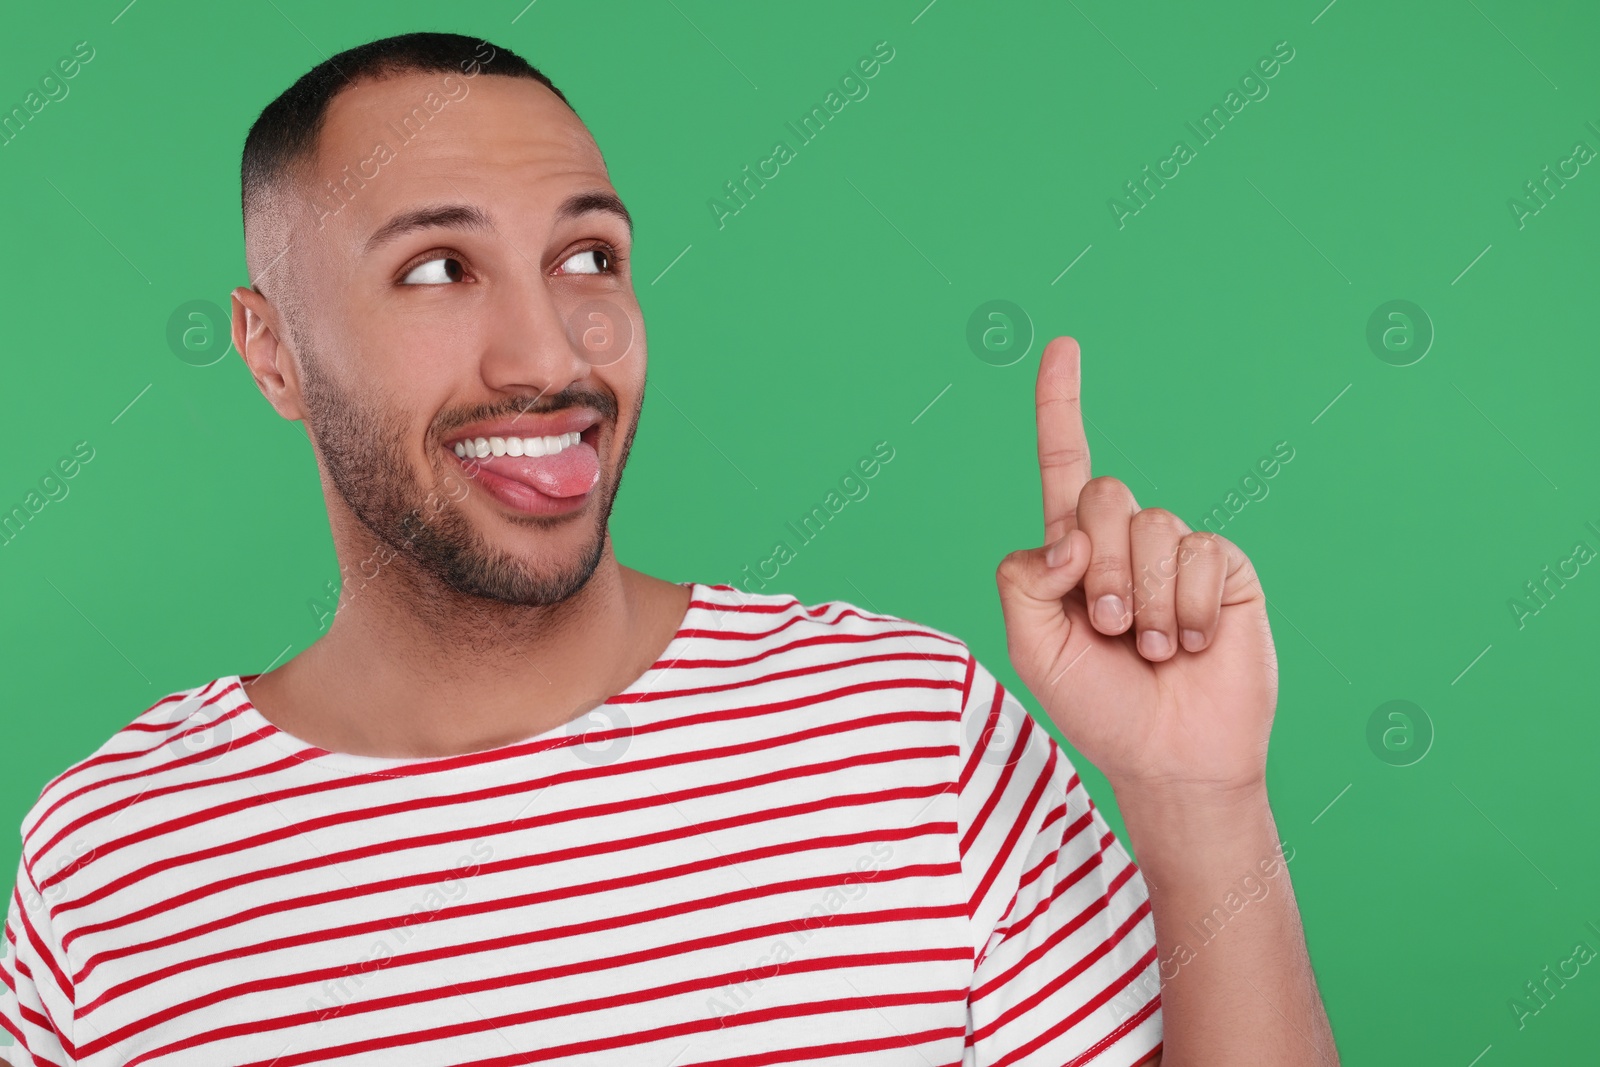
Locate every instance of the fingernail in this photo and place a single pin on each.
(1059, 552)
(1110, 610)
(1154, 644)
(1193, 639)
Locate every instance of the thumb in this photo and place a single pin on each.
(1031, 592)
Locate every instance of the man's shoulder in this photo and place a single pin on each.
(836, 657)
(159, 738)
(730, 613)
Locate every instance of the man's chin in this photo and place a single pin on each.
(501, 565)
(476, 544)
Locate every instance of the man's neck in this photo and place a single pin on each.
(473, 674)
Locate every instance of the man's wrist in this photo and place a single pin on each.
(1176, 829)
(1181, 799)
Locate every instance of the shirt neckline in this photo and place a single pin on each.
(250, 720)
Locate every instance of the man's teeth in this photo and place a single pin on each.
(484, 447)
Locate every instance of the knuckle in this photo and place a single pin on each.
(1155, 578)
(1107, 571)
(1201, 544)
(1053, 458)
(1009, 566)
(1155, 587)
(1104, 489)
(1153, 601)
(1153, 618)
(1157, 519)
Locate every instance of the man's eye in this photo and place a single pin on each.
(598, 262)
(435, 272)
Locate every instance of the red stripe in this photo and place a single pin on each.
(802, 642)
(796, 672)
(754, 609)
(790, 604)
(629, 999)
(738, 635)
(840, 1048)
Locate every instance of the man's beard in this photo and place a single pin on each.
(363, 442)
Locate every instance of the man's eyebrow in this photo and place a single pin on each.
(458, 216)
(467, 217)
(584, 203)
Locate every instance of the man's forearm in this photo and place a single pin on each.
(1236, 979)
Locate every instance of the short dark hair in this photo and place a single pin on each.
(284, 135)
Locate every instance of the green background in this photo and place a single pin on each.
(1229, 314)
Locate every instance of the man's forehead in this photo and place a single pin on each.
(404, 139)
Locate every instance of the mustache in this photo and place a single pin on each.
(570, 397)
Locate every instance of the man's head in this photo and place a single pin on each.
(435, 249)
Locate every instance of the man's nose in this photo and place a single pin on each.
(530, 343)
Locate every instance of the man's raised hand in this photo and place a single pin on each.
(1172, 682)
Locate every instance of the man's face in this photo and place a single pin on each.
(527, 326)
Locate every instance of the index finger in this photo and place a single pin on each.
(1063, 447)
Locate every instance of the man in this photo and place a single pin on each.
(524, 804)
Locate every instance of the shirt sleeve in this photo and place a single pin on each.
(1066, 968)
(36, 1009)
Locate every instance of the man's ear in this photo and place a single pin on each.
(271, 362)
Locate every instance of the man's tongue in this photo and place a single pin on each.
(570, 472)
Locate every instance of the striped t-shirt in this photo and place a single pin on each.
(807, 834)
